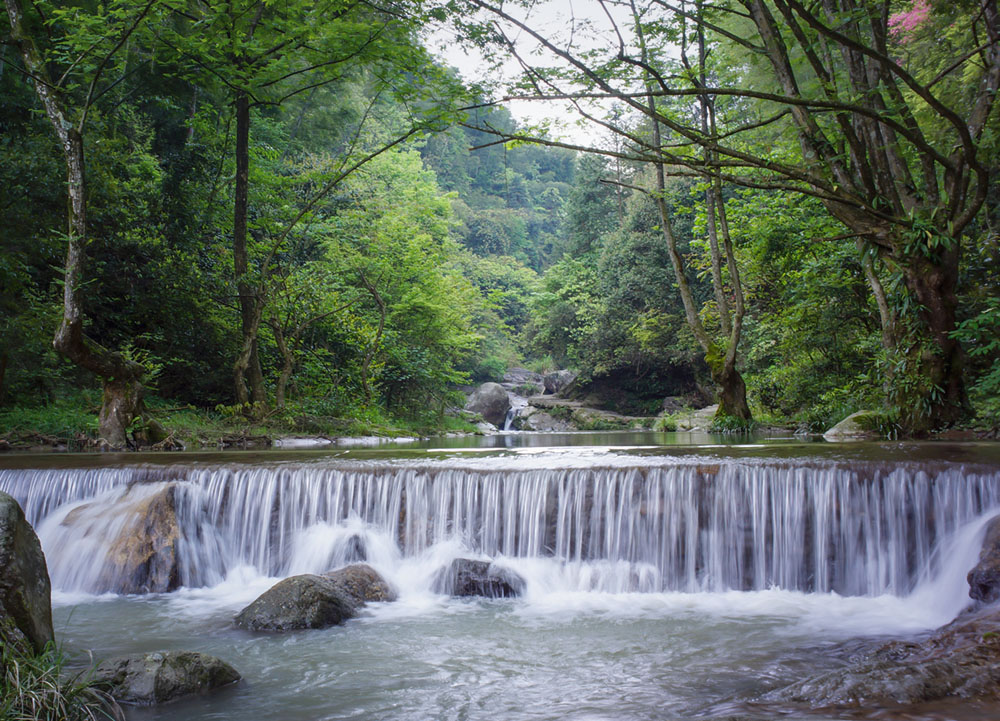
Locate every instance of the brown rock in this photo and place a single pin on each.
(362, 583)
(143, 559)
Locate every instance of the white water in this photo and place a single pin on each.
(625, 525)
(656, 588)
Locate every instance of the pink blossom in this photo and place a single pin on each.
(906, 22)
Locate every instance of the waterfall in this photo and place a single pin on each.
(640, 524)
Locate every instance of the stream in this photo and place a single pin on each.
(665, 578)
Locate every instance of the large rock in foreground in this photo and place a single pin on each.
(984, 579)
(960, 660)
(312, 601)
(25, 590)
(466, 577)
(162, 676)
(491, 401)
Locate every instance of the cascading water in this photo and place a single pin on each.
(656, 588)
(630, 526)
(509, 419)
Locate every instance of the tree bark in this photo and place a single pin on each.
(247, 370)
(732, 393)
(3, 375)
(936, 398)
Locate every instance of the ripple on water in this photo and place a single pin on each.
(631, 657)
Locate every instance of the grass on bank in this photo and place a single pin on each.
(37, 687)
(72, 422)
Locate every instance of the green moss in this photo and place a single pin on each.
(885, 424)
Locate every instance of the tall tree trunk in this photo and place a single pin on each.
(937, 397)
(732, 392)
(288, 362)
(122, 378)
(247, 368)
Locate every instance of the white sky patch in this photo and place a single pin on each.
(579, 25)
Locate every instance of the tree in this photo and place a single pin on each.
(83, 45)
(264, 54)
(893, 144)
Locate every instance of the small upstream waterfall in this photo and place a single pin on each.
(862, 529)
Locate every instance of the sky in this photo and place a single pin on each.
(582, 23)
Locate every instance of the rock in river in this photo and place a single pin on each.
(313, 601)
(25, 591)
(162, 676)
(984, 579)
(466, 577)
(960, 660)
(143, 558)
(491, 401)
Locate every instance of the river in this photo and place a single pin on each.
(665, 579)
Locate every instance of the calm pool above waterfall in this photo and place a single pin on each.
(662, 581)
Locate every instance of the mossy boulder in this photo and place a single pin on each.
(145, 679)
(25, 589)
(859, 426)
(490, 400)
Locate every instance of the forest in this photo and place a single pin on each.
(294, 217)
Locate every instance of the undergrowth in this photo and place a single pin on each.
(36, 687)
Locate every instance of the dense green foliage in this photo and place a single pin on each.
(392, 249)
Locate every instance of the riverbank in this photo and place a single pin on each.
(72, 426)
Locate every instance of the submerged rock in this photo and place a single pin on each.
(465, 577)
(313, 601)
(143, 558)
(356, 550)
(491, 401)
(984, 578)
(25, 590)
(162, 676)
(961, 660)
